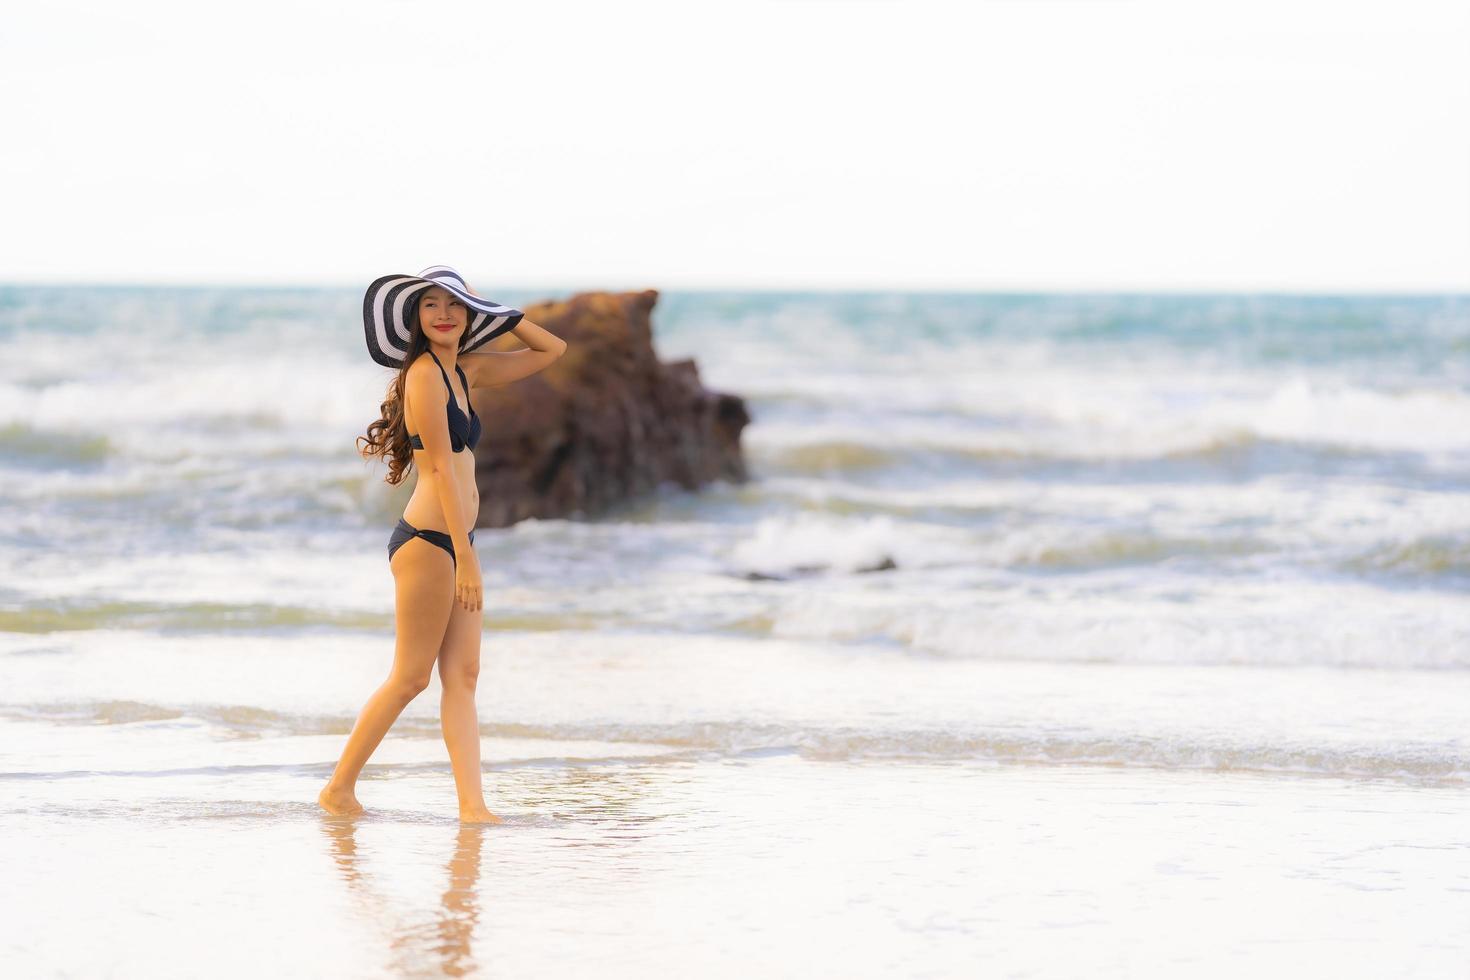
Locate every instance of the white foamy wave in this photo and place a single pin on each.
(1423, 420)
(1095, 419)
(1121, 619)
(217, 409)
(573, 744)
(818, 542)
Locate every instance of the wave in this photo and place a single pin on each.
(1114, 548)
(824, 456)
(1439, 763)
(1436, 557)
(216, 619)
(1023, 527)
(21, 442)
(1251, 619)
(1057, 415)
(1235, 446)
(105, 614)
(813, 544)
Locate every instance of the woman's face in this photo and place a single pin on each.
(442, 316)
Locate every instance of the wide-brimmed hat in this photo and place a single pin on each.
(387, 302)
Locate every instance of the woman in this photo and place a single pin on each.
(429, 421)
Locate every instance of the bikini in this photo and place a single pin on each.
(464, 432)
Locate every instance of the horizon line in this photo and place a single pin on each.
(1198, 289)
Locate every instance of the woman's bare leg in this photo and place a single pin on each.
(459, 671)
(423, 576)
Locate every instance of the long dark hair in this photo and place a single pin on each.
(388, 436)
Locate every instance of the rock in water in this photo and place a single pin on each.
(605, 423)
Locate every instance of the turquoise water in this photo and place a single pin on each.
(1007, 554)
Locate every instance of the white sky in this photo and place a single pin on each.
(1049, 144)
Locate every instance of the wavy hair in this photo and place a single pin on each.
(388, 436)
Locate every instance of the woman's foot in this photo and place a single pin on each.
(340, 802)
(478, 814)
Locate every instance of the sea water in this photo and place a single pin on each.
(1054, 635)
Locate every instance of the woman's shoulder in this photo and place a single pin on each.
(421, 375)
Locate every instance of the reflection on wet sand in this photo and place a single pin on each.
(439, 943)
(593, 806)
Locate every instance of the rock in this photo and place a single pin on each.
(605, 423)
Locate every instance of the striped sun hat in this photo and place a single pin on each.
(386, 305)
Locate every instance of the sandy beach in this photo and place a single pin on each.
(680, 815)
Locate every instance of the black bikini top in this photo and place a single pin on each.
(463, 431)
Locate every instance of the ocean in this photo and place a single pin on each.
(1054, 635)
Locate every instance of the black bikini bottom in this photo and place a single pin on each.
(404, 530)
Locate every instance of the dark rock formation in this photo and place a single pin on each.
(605, 423)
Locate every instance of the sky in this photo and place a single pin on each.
(1125, 145)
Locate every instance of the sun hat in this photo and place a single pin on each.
(388, 300)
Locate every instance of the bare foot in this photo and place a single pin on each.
(478, 815)
(339, 802)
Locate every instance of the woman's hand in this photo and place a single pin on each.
(468, 590)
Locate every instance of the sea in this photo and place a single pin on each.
(1053, 635)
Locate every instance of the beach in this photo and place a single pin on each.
(1073, 635)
